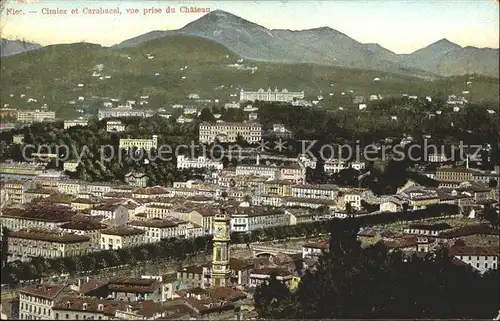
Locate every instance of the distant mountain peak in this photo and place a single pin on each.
(445, 43)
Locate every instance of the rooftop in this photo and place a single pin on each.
(122, 231)
(49, 236)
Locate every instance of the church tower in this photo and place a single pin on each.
(221, 273)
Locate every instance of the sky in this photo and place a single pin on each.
(400, 26)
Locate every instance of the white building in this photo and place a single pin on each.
(76, 122)
(334, 166)
(245, 218)
(115, 126)
(36, 301)
(200, 162)
(121, 237)
(320, 191)
(228, 132)
(269, 95)
(270, 172)
(480, 258)
(147, 144)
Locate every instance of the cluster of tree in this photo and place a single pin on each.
(351, 282)
(101, 158)
(177, 249)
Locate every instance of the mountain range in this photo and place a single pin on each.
(13, 47)
(326, 46)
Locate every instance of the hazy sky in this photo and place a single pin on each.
(400, 26)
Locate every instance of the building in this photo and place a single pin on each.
(70, 166)
(228, 132)
(157, 229)
(480, 258)
(76, 122)
(26, 244)
(36, 301)
(18, 139)
(184, 162)
(121, 237)
(17, 171)
(259, 276)
(116, 214)
(16, 190)
(334, 166)
(319, 191)
(221, 271)
(136, 179)
(114, 126)
(40, 216)
(447, 174)
(124, 112)
(269, 172)
(246, 218)
(146, 144)
(85, 227)
(35, 116)
(271, 96)
(73, 307)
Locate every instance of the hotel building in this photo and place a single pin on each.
(270, 95)
(228, 132)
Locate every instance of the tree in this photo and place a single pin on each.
(273, 299)
(206, 115)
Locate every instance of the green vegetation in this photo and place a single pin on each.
(52, 74)
(350, 282)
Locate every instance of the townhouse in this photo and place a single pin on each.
(37, 301)
(115, 214)
(184, 162)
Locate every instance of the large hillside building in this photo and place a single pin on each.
(270, 95)
(228, 132)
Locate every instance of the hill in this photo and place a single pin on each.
(327, 46)
(13, 47)
(168, 69)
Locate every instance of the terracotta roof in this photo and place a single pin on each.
(474, 251)
(122, 231)
(76, 303)
(323, 245)
(44, 291)
(151, 190)
(49, 236)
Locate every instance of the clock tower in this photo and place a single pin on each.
(221, 273)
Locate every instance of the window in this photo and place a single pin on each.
(485, 265)
(67, 316)
(76, 317)
(477, 265)
(57, 316)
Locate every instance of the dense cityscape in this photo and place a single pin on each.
(362, 198)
